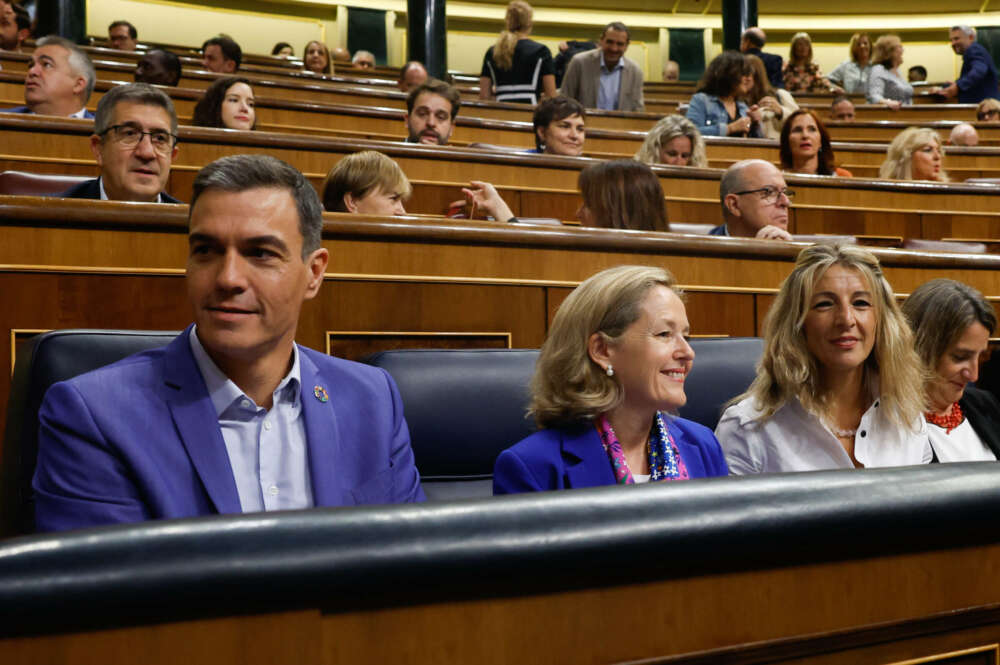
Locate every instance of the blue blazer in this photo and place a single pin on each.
(555, 459)
(140, 440)
(773, 64)
(25, 109)
(979, 75)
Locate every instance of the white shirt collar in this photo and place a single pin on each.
(104, 194)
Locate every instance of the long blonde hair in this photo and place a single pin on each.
(517, 23)
(787, 370)
(898, 164)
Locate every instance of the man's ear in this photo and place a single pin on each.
(599, 350)
(95, 147)
(732, 205)
(316, 262)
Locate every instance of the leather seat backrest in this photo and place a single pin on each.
(47, 359)
(23, 183)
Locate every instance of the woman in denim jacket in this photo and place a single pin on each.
(715, 108)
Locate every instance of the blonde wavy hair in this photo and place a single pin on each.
(882, 50)
(898, 164)
(667, 129)
(568, 386)
(787, 370)
(517, 22)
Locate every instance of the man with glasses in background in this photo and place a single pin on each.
(134, 142)
(755, 202)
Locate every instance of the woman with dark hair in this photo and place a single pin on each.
(559, 127)
(622, 194)
(608, 379)
(716, 109)
(228, 103)
(517, 69)
(801, 74)
(284, 49)
(316, 58)
(851, 76)
(805, 146)
(775, 104)
(952, 325)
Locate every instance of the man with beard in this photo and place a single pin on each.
(431, 109)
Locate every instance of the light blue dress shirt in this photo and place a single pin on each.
(267, 449)
(610, 86)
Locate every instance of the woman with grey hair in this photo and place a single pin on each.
(952, 325)
(674, 140)
(608, 377)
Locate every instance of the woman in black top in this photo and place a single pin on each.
(517, 69)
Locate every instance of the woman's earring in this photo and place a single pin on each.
(610, 371)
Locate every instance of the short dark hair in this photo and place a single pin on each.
(722, 76)
(838, 99)
(22, 17)
(208, 110)
(825, 157)
(436, 87)
(281, 45)
(624, 194)
(238, 173)
(170, 62)
(137, 93)
(920, 69)
(552, 109)
(230, 49)
(132, 32)
(620, 27)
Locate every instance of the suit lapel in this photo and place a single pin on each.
(322, 434)
(587, 464)
(198, 426)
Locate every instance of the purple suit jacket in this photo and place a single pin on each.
(140, 440)
(553, 459)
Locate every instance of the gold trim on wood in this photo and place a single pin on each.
(14, 333)
(936, 658)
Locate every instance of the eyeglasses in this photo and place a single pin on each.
(991, 113)
(770, 194)
(129, 136)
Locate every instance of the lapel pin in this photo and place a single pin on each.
(319, 392)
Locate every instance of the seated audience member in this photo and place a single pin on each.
(952, 324)
(673, 140)
(851, 76)
(484, 199)
(134, 142)
(341, 54)
(283, 49)
(123, 36)
(839, 384)
(228, 103)
(609, 375)
(716, 109)
(15, 26)
(363, 60)
(775, 104)
(431, 109)
(885, 85)
(59, 81)
(842, 109)
(806, 147)
(963, 134)
(517, 68)
(366, 183)
(560, 127)
(232, 416)
(411, 75)
(316, 58)
(671, 71)
(801, 74)
(755, 202)
(221, 55)
(916, 74)
(915, 154)
(622, 194)
(988, 110)
(158, 67)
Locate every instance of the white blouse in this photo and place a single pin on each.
(961, 445)
(794, 439)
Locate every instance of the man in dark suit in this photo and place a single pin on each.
(134, 143)
(755, 202)
(751, 44)
(232, 416)
(59, 81)
(978, 80)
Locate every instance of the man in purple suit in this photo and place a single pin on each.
(59, 81)
(232, 416)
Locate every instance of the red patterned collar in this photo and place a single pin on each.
(948, 422)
